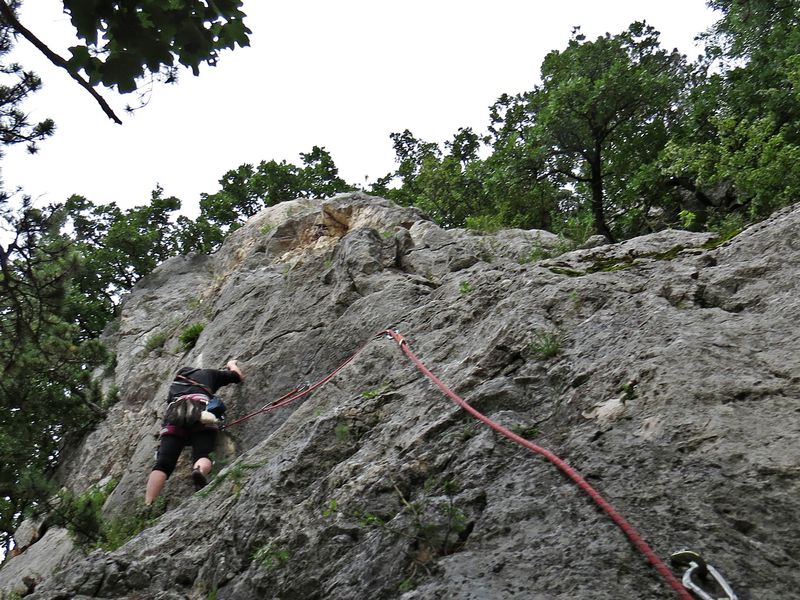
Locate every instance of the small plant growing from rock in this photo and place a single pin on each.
(81, 515)
(465, 288)
(370, 394)
(271, 557)
(525, 431)
(546, 344)
(728, 227)
(575, 299)
(118, 530)
(434, 526)
(342, 433)
(687, 218)
(234, 474)
(431, 527)
(190, 335)
(112, 397)
(628, 390)
(331, 508)
(537, 252)
(156, 342)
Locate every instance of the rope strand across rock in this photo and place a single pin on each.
(633, 535)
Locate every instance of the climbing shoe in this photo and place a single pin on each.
(199, 479)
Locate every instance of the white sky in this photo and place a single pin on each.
(343, 75)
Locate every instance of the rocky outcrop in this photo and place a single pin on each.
(664, 369)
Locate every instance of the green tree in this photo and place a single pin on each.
(585, 143)
(447, 184)
(46, 393)
(604, 112)
(116, 248)
(521, 191)
(15, 127)
(248, 189)
(746, 134)
(122, 44)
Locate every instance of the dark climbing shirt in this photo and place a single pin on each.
(213, 379)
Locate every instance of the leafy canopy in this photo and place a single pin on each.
(125, 41)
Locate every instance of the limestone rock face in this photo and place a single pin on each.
(664, 369)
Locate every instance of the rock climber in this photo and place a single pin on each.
(202, 436)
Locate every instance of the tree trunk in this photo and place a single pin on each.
(597, 196)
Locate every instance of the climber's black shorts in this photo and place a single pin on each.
(172, 443)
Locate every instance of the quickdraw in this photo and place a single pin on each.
(696, 569)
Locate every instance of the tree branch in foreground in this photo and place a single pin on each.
(13, 22)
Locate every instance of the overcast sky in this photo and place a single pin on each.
(343, 75)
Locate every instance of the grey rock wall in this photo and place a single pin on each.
(664, 369)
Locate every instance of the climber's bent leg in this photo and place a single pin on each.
(169, 450)
(203, 443)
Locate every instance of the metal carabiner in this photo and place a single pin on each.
(698, 567)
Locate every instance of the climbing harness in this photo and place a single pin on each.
(698, 568)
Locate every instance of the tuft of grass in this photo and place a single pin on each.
(484, 223)
(331, 508)
(525, 431)
(546, 344)
(575, 299)
(465, 288)
(728, 227)
(370, 394)
(688, 219)
(342, 432)
(156, 341)
(271, 557)
(234, 474)
(118, 530)
(190, 335)
(566, 271)
(112, 397)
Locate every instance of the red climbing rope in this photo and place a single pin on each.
(626, 527)
(633, 535)
(297, 392)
